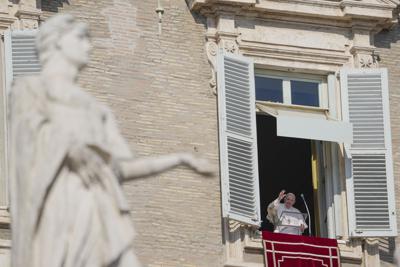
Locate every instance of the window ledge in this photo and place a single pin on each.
(253, 240)
(5, 244)
(242, 264)
(5, 219)
(293, 107)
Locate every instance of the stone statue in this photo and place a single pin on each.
(67, 163)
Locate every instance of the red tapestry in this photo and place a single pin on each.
(283, 250)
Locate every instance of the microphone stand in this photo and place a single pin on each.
(308, 212)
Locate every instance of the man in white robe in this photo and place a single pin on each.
(286, 218)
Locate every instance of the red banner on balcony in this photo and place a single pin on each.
(283, 250)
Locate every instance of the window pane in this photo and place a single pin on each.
(304, 93)
(269, 89)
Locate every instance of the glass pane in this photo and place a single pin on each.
(305, 93)
(269, 89)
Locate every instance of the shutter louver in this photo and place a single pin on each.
(20, 59)
(370, 183)
(366, 111)
(238, 139)
(24, 57)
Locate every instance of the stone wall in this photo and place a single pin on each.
(157, 85)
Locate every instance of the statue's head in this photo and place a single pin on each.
(63, 35)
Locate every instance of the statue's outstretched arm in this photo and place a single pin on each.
(153, 165)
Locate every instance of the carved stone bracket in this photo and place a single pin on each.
(212, 50)
(6, 22)
(371, 252)
(364, 57)
(29, 19)
(215, 43)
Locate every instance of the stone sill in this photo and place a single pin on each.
(5, 244)
(5, 219)
(242, 264)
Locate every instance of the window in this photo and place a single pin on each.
(301, 90)
(304, 93)
(269, 89)
(369, 171)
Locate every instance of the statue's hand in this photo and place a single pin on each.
(200, 165)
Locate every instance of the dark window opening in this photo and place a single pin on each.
(284, 163)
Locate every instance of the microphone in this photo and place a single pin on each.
(308, 212)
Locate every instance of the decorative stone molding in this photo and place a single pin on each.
(235, 249)
(6, 22)
(364, 57)
(4, 218)
(28, 19)
(230, 46)
(371, 252)
(28, 4)
(240, 237)
(212, 50)
(377, 12)
(350, 250)
(221, 34)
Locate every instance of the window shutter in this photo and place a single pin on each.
(21, 56)
(369, 171)
(238, 139)
(20, 59)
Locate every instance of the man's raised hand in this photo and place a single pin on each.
(281, 195)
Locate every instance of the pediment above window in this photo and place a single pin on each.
(377, 14)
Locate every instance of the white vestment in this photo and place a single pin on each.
(285, 220)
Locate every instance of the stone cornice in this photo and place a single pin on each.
(28, 14)
(6, 21)
(4, 218)
(334, 58)
(332, 12)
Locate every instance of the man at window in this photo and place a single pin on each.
(286, 218)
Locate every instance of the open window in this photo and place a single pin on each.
(298, 115)
(294, 141)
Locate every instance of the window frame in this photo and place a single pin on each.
(286, 77)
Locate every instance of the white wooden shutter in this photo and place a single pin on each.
(20, 59)
(238, 139)
(370, 185)
(21, 56)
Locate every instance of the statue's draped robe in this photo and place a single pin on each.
(60, 216)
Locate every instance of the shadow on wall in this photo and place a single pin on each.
(387, 37)
(387, 249)
(198, 18)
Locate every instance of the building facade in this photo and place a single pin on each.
(266, 90)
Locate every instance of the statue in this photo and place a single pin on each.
(67, 163)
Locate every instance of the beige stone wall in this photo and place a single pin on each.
(388, 44)
(157, 85)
